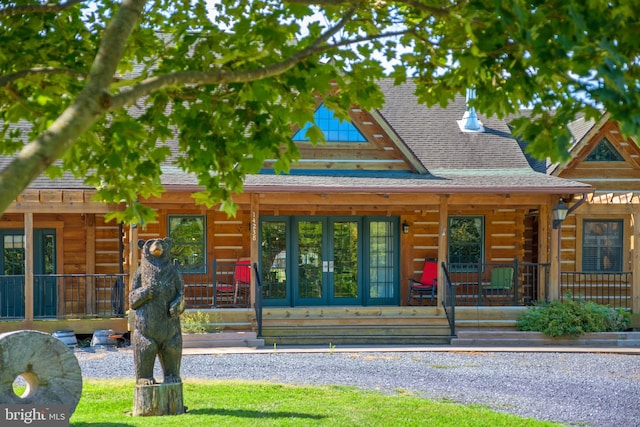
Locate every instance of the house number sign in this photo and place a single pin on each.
(254, 226)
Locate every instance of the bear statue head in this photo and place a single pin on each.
(156, 250)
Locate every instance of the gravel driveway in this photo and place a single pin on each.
(571, 388)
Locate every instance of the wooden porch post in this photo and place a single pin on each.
(554, 268)
(90, 262)
(133, 251)
(255, 241)
(443, 223)
(635, 265)
(544, 228)
(28, 266)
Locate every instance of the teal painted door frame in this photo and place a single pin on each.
(328, 271)
(12, 270)
(330, 260)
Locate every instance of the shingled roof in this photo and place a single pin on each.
(455, 161)
(436, 139)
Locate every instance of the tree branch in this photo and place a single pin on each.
(8, 78)
(90, 104)
(416, 4)
(38, 8)
(181, 78)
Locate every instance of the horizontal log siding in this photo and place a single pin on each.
(568, 244)
(229, 236)
(74, 249)
(530, 238)
(425, 229)
(107, 246)
(504, 234)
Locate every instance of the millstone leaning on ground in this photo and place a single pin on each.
(47, 365)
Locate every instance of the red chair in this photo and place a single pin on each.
(230, 289)
(427, 287)
(242, 279)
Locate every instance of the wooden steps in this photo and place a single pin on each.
(355, 325)
(227, 319)
(222, 339)
(487, 317)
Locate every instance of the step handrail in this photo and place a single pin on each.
(449, 300)
(258, 301)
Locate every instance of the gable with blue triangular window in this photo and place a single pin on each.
(604, 152)
(333, 128)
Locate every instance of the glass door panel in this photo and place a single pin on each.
(12, 280)
(345, 272)
(382, 261)
(329, 260)
(309, 265)
(45, 292)
(274, 262)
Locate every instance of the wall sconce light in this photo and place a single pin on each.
(405, 227)
(559, 214)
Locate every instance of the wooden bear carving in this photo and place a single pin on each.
(157, 296)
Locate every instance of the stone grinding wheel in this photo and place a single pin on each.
(48, 366)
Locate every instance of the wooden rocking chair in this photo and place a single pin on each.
(426, 288)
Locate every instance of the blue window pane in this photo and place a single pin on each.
(334, 130)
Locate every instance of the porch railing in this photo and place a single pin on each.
(11, 297)
(216, 285)
(612, 289)
(449, 301)
(504, 284)
(64, 296)
(258, 303)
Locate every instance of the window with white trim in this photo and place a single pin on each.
(602, 245)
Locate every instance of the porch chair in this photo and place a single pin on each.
(238, 285)
(501, 282)
(427, 286)
(242, 278)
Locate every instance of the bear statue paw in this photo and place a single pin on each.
(172, 379)
(146, 381)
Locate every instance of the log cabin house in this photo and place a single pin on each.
(598, 258)
(336, 240)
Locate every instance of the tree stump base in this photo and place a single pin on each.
(158, 400)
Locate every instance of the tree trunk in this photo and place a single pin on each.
(157, 400)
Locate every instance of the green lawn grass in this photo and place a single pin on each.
(242, 403)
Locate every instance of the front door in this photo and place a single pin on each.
(325, 260)
(12, 266)
(327, 271)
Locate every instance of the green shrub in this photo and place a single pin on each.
(198, 322)
(572, 317)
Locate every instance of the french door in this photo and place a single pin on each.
(325, 260)
(327, 271)
(12, 268)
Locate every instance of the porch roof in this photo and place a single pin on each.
(495, 181)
